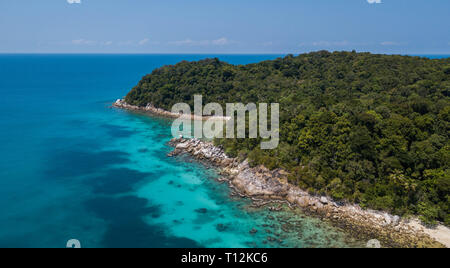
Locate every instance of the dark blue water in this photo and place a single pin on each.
(73, 168)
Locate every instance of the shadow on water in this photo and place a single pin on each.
(68, 164)
(116, 131)
(117, 181)
(124, 215)
(127, 228)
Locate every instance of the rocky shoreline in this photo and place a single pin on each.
(149, 108)
(264, 186)
(268, 187)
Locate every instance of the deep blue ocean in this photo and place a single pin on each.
(71, 167)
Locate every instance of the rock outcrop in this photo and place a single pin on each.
(149, 108)
(259, 183)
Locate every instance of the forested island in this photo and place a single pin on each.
(358, 127)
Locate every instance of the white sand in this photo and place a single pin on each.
(440, 233)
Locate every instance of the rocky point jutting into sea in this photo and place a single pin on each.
(264, 186)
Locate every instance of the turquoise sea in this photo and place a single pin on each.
(71, 167)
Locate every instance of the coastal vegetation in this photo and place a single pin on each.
(363, 128)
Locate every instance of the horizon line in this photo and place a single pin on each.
(213, 53)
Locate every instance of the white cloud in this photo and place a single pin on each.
(74, 1)
(83, 42)
(189, 42)
(374, 1)
(105, 43)
(327, 44)
(182, 42)
(143, 41)
(221, 41)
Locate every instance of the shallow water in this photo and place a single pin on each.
(74, 168)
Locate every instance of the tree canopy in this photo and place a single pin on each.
(371, 129)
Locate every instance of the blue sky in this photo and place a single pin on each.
(226, 26)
